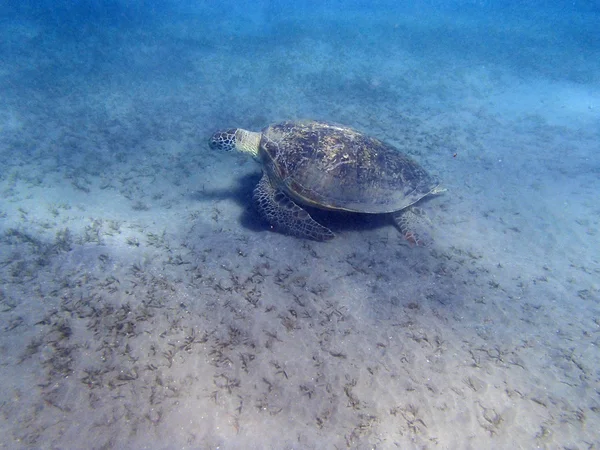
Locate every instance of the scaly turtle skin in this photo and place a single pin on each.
(331, 167)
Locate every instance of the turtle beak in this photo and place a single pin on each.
(213, 143)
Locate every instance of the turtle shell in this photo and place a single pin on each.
(330, 166)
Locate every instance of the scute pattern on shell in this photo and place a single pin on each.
(335, 167)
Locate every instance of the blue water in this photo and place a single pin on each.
(144, 303)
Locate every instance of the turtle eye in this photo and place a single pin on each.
(217, 141)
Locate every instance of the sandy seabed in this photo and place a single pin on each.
(144, 305)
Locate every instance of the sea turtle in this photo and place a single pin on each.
(331, 167)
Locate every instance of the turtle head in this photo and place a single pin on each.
(223, 140)
(236, 138)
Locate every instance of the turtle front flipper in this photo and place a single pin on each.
(410, 222)
(285, 215)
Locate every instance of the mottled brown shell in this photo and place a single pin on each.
(334, 167)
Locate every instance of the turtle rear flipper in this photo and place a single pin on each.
(285, 215)
(410, 221)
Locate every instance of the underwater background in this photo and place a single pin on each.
(145, 304)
